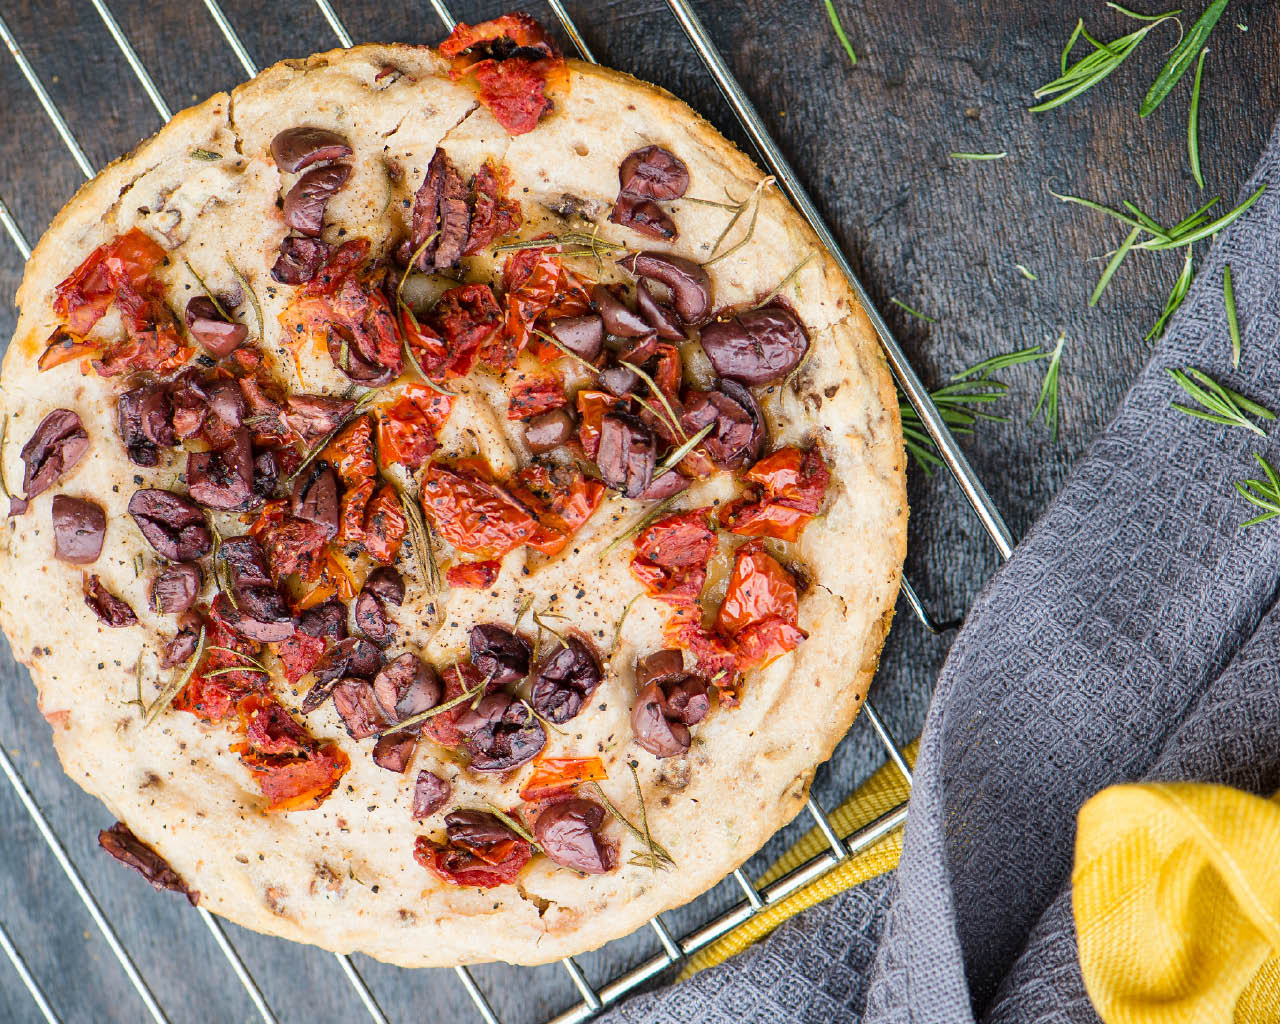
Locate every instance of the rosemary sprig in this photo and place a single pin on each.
(139, 565)
(640, 524)
(914, 312)
(1088, 71)
(207, 291)
(240, 654)
(1180, 60)
(571, 243)
(673, 458)
(525, 605)
(978, 156)
(834, 18)
(995, 364)
(617, 630)
(1233, 324)
(1201, 230)
(791, 275)
(235, 668)
(1048, 399)
(1219, 404)
(657, 856)
(474, 693)
(361, 405)
(1264, 494)
(1193, 122)
(421, 540)
(737, 215)
(1113, 265)
(1180, 286)
(514, 825)
(165, 697)
(253, 296)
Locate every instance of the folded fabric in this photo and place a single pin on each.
(1176, 893)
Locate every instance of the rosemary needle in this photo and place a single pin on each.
(1265, 494)
(1025, 272)
(839, 30)
(1183, 54)
(1048, 399)
(978, 156)
(1233, 324)
(1114, 265)
(1180, 286)
(1218, 404)
(1193, 123)
(914, 312)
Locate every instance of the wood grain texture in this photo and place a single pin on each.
(871, 143)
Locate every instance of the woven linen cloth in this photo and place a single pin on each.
(1133, 635)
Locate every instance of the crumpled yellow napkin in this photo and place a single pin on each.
(1176, 896)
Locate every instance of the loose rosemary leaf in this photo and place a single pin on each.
(1183, 54)
(1265, 494)
(1233, 324)
(839, 30)
(978, 156)
(1218, 404)
(1193, 122)
(1113, 266)
(914, 312)
(1171, 304)
(1048, 400)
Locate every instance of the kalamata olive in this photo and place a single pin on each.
(644, 216)
(372, 619)
(655, 173)
(354, 656)
(175, 526)
(487, 713)
(394, 751)
(407, 686)
(627, 454)
(131, 851)
(79, 526)
(183, 644)
(439, 208)
(660, 667)
(619, 381)
(245, 562)
(300, 260)
(176, 587)
(617, 316)
(313, 416)
(347, 357)
(581, 335)
(57, 444)
(211, 330)
(565, 680)
(476, 829)
(664, 486)
(653, 731)
(387, 583)
(638, 351)
(758, 346)
(145, 418)
(190, 404)
(689, 283)
(299, 147)
(430, 793)
(258, 614)
(326, 621)
(549, 430)
(569, 834)
(111, 610)
(226, 401)
(315, 496)
(738, 434)
(499, 653)
(658, 315)
(266, 471)
(512, 740)
(223, 479)
(304, 204)
(354, 701)
(687, 701)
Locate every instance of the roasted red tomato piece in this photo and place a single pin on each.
(298, 782)
(119, 266)
(671, 555)
(760, 607)
(473, 513)
(351, 452)
(511, 58)
(555, 776)
(561, 496)
(342, 262)
(292, 545)
(458, 866)
(430, 354)
(593, 406)
(473, 575)
(493, 214)
(407, 429)
(530, 280)
(514, 30)
(268, 728)
(465, 318)
(214, 696)
(355, 502)
(298, 655)
(529, 396)
(793, 484)
(384, 525)
(714, 655)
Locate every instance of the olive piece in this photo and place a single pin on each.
(644, 216)
(387, 583)
(619, 381)
(175, 526)
(581, 335)
(176, 587)
(215, 334)
(565, 681)
(407, 686)
(304, 204)
(55, 446)
(430, 793)
(394, 751)
(326, 621)
(313, 416)
(476, 829)
(660, 667)
(569, 834)
(301, 146)
(372, 620)
(508, 740)
(223, 479)
(664, 486)
(653, 731)
(499, 653)
(617, 316)
(79, 526)
(549, 430)
(756, 347)
(315, 497)
(627, 454)
(689, 283)
(354, 656)
(658, 315)
(144, 416)
(300, 260)
(654, 173)
(111, 610)
(738, 433)
(183, 644)
(354, 701)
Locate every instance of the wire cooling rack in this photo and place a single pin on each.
(754, 900)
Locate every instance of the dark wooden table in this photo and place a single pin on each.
(871, 142)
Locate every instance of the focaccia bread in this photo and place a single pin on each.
(456, 502)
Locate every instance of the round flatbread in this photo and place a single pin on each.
(192, 784)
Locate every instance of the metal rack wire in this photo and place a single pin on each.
(754, 900)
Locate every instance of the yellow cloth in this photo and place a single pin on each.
(885, 790)
(1176, 894)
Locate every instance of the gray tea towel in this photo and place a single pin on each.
(1133, 635)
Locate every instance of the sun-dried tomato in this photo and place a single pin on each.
(430, 354)
(713, 655)
(561, 496)
(518, 28)
(342, 262)
(529, 396)
(213, 696)
(593, 406)
(152, 344)
(512, 82)
(792, 485)
(297, 782)
(298, 655)
(63, 347)
(761, 642)
(462, 867)
(760, 607)
(292, 545)
(334, 580)
(473, 575)
(351, 452)
(384, 525)
(475, 514)
(355, 501)
(111, 271)
(514, 90)
(555, 775)
(530, 280)
(267, 727)
(493, 214)
(671, 556)
(407, 429)
(460, 678)
(465, 318)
